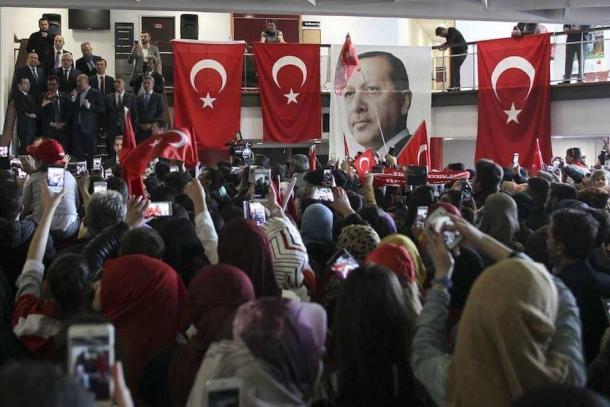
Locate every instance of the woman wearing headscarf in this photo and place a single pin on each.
(289, 255)
(500, 220)
(399, 261)
(317, 234)
(380, 220)
(215, 294)
(147, 303)
(372, 343)
(244, 245)
(359, 240)
(407, 243)
(520, 329)
(276, 352)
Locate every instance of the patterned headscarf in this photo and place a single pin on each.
(359, 240)
(288, 253)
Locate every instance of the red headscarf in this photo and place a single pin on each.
(397, 259)
(244, 245)
(215, 294)
(146, 301)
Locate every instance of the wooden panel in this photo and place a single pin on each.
(162, 30)
(312, 36)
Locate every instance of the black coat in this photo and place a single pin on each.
(26, 126)
(154, 110)
(108, 84)
(85, 120)
(49, 62)
(81, 65)
(136, 82)
(67, 85)
(48, 115)
(37, 86)
(113, 116)
(40, 45)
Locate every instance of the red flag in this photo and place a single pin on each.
(345, 147)
(175, 144)
(313, 159)
(346, 65)
(207, 90)
(365, 162)
(129, 136)
(289, 82)
(538, 163)
(514, 99)
(416, 151)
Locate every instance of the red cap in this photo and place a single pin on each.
(49, 151)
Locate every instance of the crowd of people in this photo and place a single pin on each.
(510, 312)
(75, 101)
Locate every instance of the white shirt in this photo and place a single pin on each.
(121, 95)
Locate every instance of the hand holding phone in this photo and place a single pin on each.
(342, 263)
(322, 194)
(157, 209)
(441, 224)
(262, 182)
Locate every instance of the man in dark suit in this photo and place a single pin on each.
(67, 74)
(53, 59)
(151, 70)
(149, 106)
(41, 42)
(27, 114)
(86, 64)
(114, 105)
(34, 73)
(55, 114)
(99, 80)
(86, 105)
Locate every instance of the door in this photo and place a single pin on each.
(162, 30)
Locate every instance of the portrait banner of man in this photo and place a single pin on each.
(384, 100)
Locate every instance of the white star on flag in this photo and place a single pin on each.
(208, 101)
(155, 142)
(292, 97)
(512, 114)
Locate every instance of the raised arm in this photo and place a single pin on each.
(204, 226)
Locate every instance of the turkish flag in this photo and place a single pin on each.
(289, 82)
(129, 136)
(416, 151)
(175, 144)
(312, 158)
(347, 64)
(365, 162)
(538, 164)
(514, 99)
(207, 90)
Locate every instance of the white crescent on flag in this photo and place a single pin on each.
(209, 64)
(184, 140)
(288, 60)
(422, 149)
(515, 62)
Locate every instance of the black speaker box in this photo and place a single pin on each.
(189, 26)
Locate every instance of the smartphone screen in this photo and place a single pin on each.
(97, 164)
(81, 168)
(3, 151)
(21, 174)
(157, 209)
(322, 194)
(515, 158)
(440, 222)
(174, 168)
(55, 179)
(327, 181)
(606, 302)
(236, 170)
(100, 186)
(466, 192)
(90, 358)
(262, 181)
(342, 263)
(392, 151)
(108, 172)
(224, 392)
(255, 211)
(422, 214)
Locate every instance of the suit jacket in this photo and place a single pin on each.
(51, 113)
(136, 82)
(154, 110)
(40, 45)
(85, 120)
(81, 65)
(49, 62)
(108, 84)
(67, 86)
(26, 104)
(138, 57)
(113, 117)
(37, 87)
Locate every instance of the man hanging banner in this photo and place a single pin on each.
(384, 99)
(207, 90)
(289, 82)
(514, 99)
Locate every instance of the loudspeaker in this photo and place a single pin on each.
(54, 23)
(189, 26)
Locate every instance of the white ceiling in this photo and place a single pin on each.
(557, 11)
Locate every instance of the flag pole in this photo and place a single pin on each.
(377, 118)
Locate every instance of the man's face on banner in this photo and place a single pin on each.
(375, 95)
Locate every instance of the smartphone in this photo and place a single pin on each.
(262, 181)
(136, 42)
(440, 222)
(21, 174)
(466, 192)
(108, 172)
(90, 359)
(157, 209)
(97, 164)
(236, 170)
(606, 302)
(422, 214)
(342, 263)
(224, 392)
(100, 186)
(251, 170)
(3, 151)
(327, 180)
(516, 159)
(322, 194)
(222, 192)
(255, 211)
(174, 168)
(81, 168)
(392, 151)
(55, 178)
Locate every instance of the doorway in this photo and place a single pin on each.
(162, 31)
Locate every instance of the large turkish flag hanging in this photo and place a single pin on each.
(514, 99)
(207, 90)
(289, 82)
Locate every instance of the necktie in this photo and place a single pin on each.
(57, 112)
(120, 104)
(57, 59)
(146, 99)
(67, 74)
(35, 74)
(102, 84)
